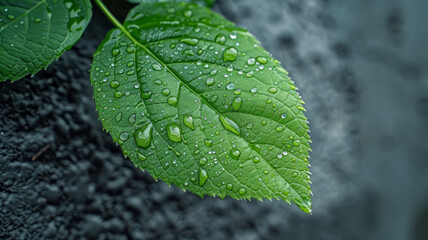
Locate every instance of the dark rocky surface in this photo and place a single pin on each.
(361, 69)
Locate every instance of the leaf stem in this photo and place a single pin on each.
(112, 18)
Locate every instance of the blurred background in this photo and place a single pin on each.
(361, 67)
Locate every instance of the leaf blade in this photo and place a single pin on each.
(35, 33)
(246, 124)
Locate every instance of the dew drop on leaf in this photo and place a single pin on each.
(261, 60)
(203, 176)
(202, 161)
(210, 81)
(230, 54)
(174, 132)
(230, 125)
(296, 143)
(236, 104)
(172, 101)
(119, 117)
(229, 186)
(242, 191)
(235, 154)
(272, 90)
(124, 136)
(143, 135)
(141, 156)
(188, 121)
(114, 84)
(146, 94)
(251, 61)
(221, 39)
(190, 41)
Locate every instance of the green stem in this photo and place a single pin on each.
(112, 18)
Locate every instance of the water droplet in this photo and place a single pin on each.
(264, 122)
(262, 60)
(235, 154)
(230, 54)
(230, 86)
(166, 92)
(284, 116)
(236, 104)
(189, 52)
(296, 143)
(124, 136)
(250, 125)
(37, 20)
(254, 90)
(172, 101)
(114, 84)
(256, 159)
(118, 94)
(279, 155)
(233, 36)
(132, 118)
(250, 74)
(174, 132)
(292, 86)
(229, 186)
(269, 100)
(130, 49)
(11, 17)
(221, 39)
(295, 174)
(208, 142)
(272, 90)
(196, 152)
(188, 13)
(230, 125)
(242, 191)
(143, 135)
(119, 117)
(251, 61)
(202, 161)
(203, 176)
(279, 128)
(146, 94)
(265, 172)
(210, 81)
(141, 156)
(190, 41)
(157, 67)
(188, 121)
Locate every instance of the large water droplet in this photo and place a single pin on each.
(210, 81)
(191, 41)
(203, 176)
(188, 13)
(166, 92)
(251, 61)
(279, 128)
(230, 54)
(174, 132)
(188, 121)
(119, 117)
(172, 101)
(221, 39)
(202, 161)
(157, 67)
(146, 94)
(124, 136)
(262, 60)
(114, 84)
(230, 125)
(37, 20)
(272, 90)
(236, 104)
(143, 135)
(235, 154)
(242, 191)
(295, 174)
(284, 116)
(296, 143)
(229, 186)
(208, 142)
(132, 118)
(230, 86)
(256, 159)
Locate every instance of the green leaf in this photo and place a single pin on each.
(199, 103)
(33, 33)
(208, 3)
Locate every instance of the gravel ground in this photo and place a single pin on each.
(359, 70)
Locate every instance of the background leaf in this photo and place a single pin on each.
(33, 33)
(208, 3)
(199, 103)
